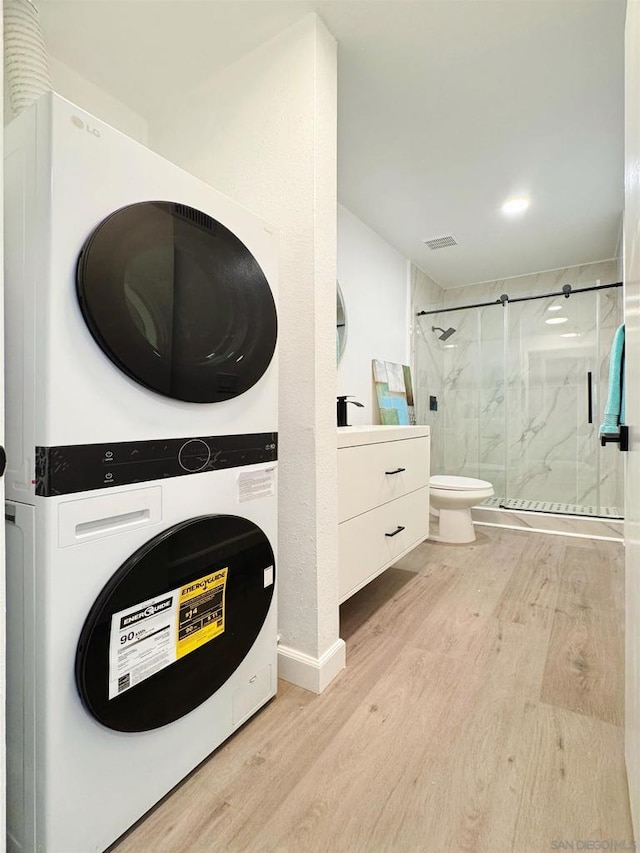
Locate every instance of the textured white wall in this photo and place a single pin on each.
(374, 281)
(264, 133)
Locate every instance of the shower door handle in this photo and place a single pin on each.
(590, 397)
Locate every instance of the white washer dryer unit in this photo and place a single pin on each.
(140, 302)
(141, 634)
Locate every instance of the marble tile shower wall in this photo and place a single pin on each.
(529, 437)
(428, 361)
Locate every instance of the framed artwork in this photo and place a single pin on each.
(394, 392)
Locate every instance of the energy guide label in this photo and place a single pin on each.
(157, 632)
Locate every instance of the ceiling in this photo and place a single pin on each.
(446, 108)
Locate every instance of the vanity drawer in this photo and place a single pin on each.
(364, 548)
(362, 479)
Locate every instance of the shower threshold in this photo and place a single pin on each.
(553, 507)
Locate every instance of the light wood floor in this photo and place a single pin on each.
(481, 710)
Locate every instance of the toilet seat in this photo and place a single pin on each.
(458, 484)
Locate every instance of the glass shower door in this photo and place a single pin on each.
(610, 460)
(515, 395)
(460, 391)
(553, 379)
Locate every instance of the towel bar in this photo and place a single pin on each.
(620, 438)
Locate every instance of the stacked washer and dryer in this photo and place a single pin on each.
(141, 481)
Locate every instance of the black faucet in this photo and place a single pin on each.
(342, 409)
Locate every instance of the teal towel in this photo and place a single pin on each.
(614, 409)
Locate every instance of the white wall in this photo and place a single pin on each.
(374, 281)
(96, 101)
(263, 132)
(77, 89)
(632, 361)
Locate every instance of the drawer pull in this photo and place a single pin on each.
(397, 471)
(395, 532)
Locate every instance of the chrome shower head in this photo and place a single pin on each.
(445, 334)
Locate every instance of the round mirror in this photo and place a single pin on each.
(341, 323)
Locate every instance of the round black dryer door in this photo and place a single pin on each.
(177, 302)
(174, 622)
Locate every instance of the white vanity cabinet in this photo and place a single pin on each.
(383, 499)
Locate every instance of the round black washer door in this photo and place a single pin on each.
(176, 558)
(177, 302)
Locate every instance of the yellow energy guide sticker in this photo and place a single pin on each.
(151, 635)
(201, 611)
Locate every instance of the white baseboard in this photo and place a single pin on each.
(311, 673)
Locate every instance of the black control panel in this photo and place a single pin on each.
(85, 467)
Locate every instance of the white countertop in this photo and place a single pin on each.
(352, 436)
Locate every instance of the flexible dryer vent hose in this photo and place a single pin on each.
(26, 62)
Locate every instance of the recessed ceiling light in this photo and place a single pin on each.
(450, 346)
(554, 308)
(555, 321)
(570, 335)
(515, 205)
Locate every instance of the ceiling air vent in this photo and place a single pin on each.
(440, 242)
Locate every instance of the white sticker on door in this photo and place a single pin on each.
(153, 634)
(256, 484)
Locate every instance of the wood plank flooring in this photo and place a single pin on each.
(481, 710)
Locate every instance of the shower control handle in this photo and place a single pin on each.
(589, 397)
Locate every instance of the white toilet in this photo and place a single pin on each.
(452, 498)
